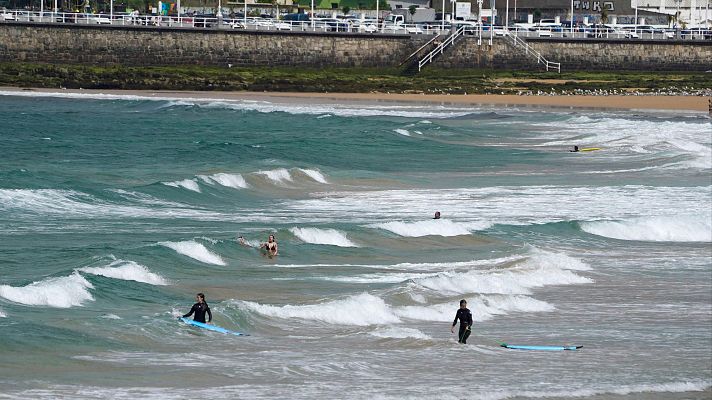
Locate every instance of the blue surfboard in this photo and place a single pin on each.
(546, 348)
(212, 327)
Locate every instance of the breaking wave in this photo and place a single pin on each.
(189, 184)
(441, 227)
(654, 229)
(235, 181)
(128, 271)
(322, 236)
(196, 251)
(61, 292)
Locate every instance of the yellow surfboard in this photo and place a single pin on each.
(590, 149)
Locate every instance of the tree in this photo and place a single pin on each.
(411, 11)
(604, 15)
(346, 10)
(537, 15)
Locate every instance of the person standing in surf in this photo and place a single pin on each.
(465, 317)
(200, 309)
(270, 246)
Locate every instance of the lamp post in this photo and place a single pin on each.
(506, 17)
(479, 22)
(492, 8)
(442, 17)
(571, 21)
(312, 13)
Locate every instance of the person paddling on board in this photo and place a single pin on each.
(465, 317)
(437, 215)
(270, 246)
(200, 309)
(575, 150)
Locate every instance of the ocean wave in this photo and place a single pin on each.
(322, 236)
(439, 227)
(541, 268)
(392, 332)
(2, 313)
(314, 174)
(360, 310)
(235, 181)
(189, 184)
(195, 250)
(69, 203)
(279, 175)
(483, 308)
(61, 292)
(654, 229)
(403, 132)
(668, 139)
(128, 271)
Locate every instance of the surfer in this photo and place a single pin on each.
(465, 317)
(270, 246)
(200, 308)
(437, 215)
(575, 150)
(241, 240)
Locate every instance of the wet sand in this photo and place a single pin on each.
(632, 102)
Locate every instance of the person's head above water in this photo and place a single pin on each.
(270, 238)
(463, 303)
(200, 297)
(437, 215)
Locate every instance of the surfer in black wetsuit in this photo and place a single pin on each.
(200, 308)
(437, 215)
(575, 150)
(465, 317)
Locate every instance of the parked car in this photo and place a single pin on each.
(696, 33)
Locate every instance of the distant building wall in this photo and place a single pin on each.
(147, 46)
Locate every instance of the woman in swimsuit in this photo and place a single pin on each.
(270, 247)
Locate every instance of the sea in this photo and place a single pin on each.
(116, 210)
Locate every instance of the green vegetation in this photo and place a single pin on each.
(431, 80)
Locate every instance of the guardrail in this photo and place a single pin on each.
(440, 49)
(345, 26)
(518, 42)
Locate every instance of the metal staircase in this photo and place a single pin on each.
(524, 47)
(440, 49)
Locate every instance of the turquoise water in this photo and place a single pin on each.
(116, 210)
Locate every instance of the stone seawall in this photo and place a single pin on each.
(583, 55)
(141, 46)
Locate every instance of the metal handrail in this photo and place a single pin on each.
(517, 41)
(419, 49)
(441, 47)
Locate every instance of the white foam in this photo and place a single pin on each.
(438, 227)
(315, 175)
(322, 236)
(2, 313)
(541, 268)
(398, 333)
(655, 229)
(279, 175)
(189, 184)
(196, 251)
(62, 292)
(110, 316)
(483, 308)
(128, 271)
(235, 181)
(403, 132)
(360, 310)
(670, 387)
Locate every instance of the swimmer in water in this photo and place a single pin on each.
(270, 246)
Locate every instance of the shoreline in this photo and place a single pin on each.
(695, 104)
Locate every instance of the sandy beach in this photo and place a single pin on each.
(671, 103)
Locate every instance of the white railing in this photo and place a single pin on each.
(440, 49)
(351, 26)
(518, 42)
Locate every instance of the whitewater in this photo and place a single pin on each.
(115, 211)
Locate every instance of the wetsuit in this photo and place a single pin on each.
(465, 317)
(200, 309)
